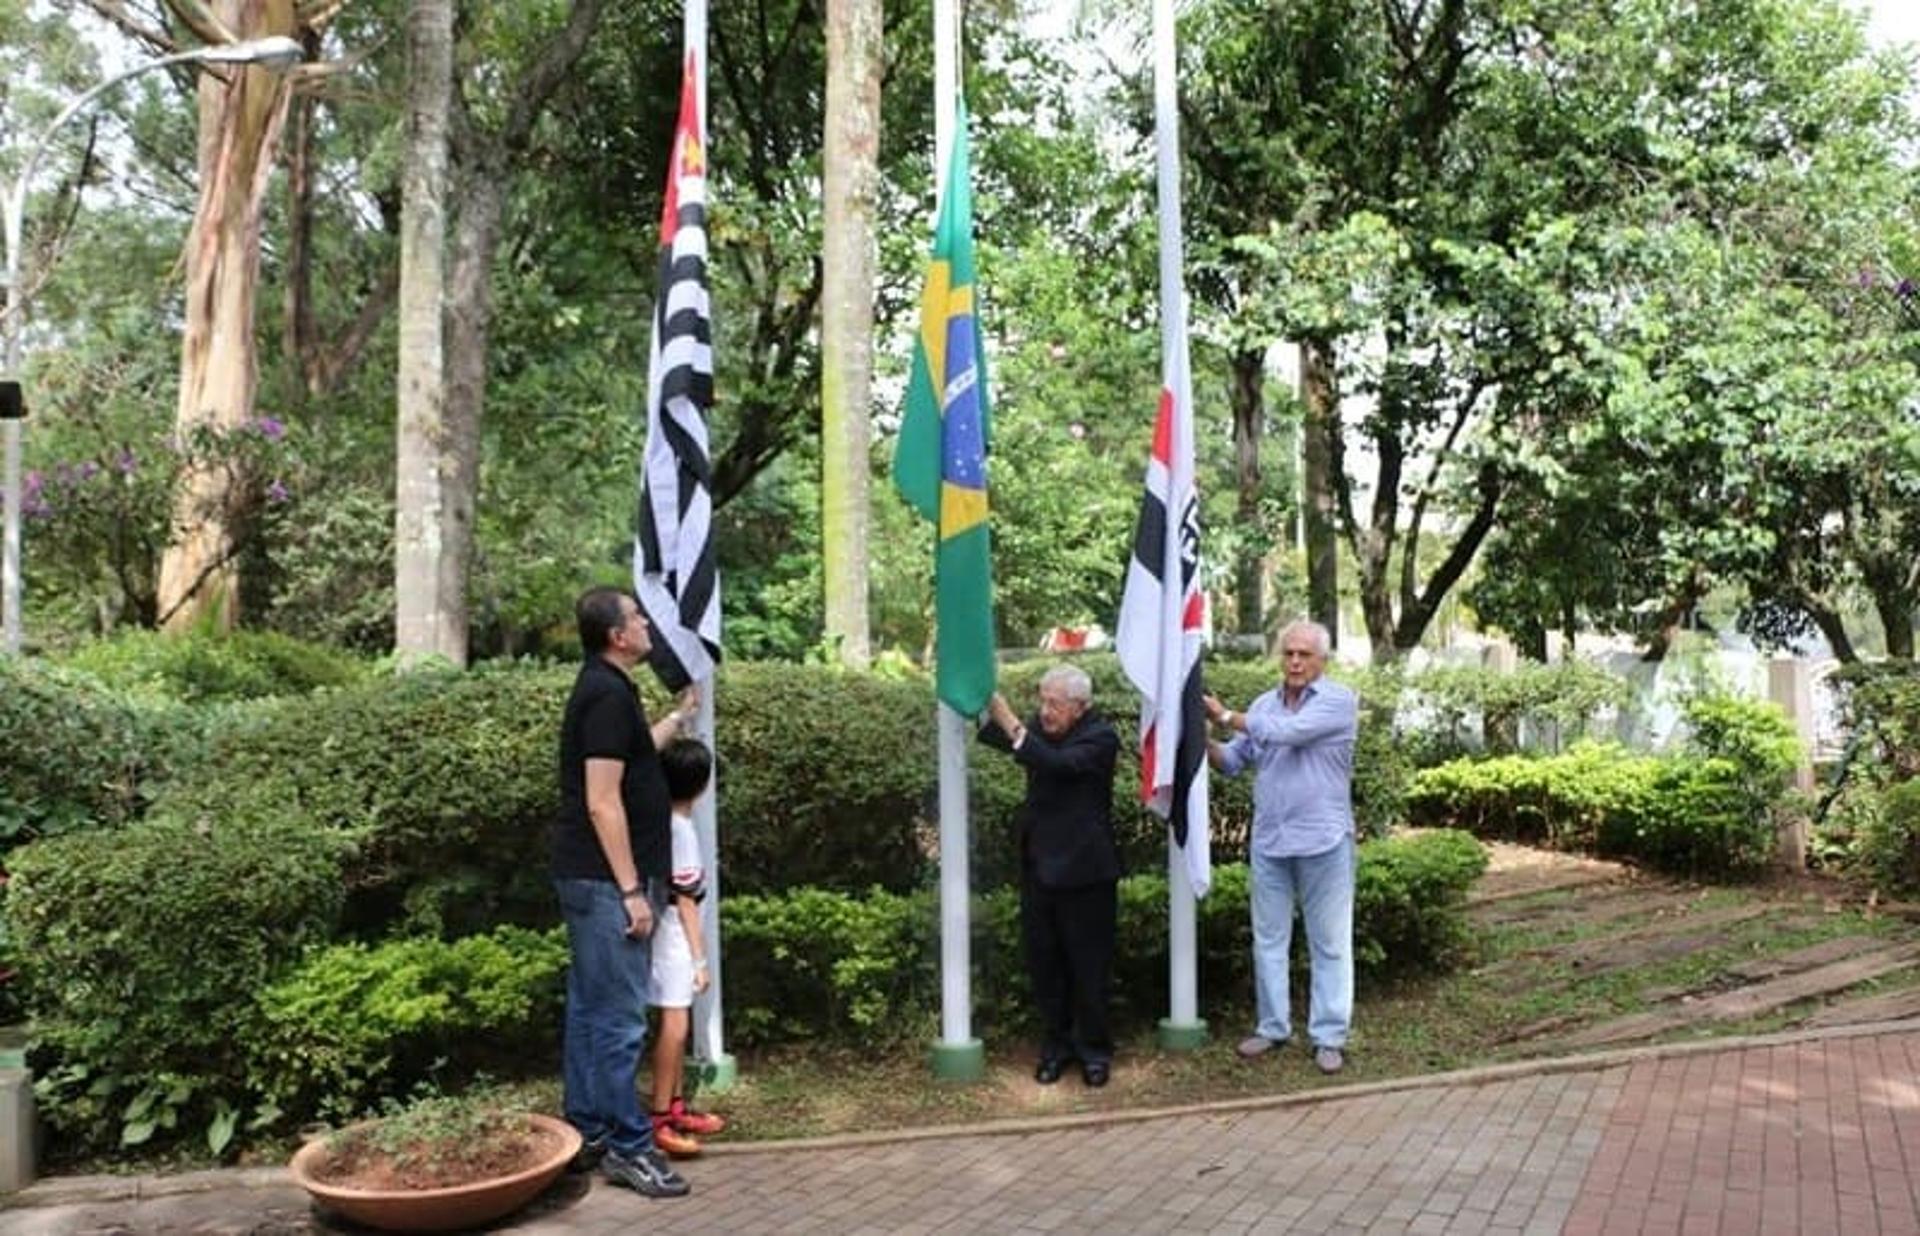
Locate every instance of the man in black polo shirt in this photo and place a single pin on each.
(611, 855)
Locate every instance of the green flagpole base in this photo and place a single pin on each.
(965, 1061)
(719, 1074)
(1183, 1035)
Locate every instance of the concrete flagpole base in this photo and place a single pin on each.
(19, 1128)
(719, 1074)
(964, 1061)
(1183, 1035)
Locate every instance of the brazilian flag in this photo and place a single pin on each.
(940, 466)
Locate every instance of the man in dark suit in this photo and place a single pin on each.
(1069, 867)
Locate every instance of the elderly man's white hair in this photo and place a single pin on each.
(1321, 637)
(1071, 681)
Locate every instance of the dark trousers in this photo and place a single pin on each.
(1069, 941)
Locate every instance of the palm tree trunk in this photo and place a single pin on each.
(429, 610)
(852, 171)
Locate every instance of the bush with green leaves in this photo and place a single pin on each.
(356, 1022)
(76, 754)
(821, 964)
(141, 951)
(211, 666)
(1887, 848)
(1707, 811)
(1558, 704)
(1564, 801)
(444, 781)
(1881, 707)
(1752, 735)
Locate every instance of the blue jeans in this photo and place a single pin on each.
(606, 1027)
(1322, 884)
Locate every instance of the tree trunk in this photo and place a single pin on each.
(430, 613)
(1829, 621)
(1249, 415)
(483, 163)
(1896, 619)
(1320, 428)
(851, 154)
(469, 325)
(241, 113)
(297, 331)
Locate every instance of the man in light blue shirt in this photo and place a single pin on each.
(1299, 740)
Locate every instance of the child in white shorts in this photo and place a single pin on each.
(679, 956)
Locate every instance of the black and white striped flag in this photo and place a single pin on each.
(674, 573)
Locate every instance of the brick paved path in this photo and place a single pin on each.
(1813, 1136)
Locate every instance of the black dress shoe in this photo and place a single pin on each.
(1048, 1071)
(1096, 1073)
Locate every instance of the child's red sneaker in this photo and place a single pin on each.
(703, 1124)
(676, 1144)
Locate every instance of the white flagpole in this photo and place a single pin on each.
(1183, 1027)
(718, 1070)
(946, 88)
(958, 1056)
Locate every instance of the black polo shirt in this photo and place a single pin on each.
(604, 720)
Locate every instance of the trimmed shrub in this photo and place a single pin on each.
(1700, 819)
(75, 754)
(445, 781)
(826, 778)
(205, 667)
(871, 964)
(1700, 814)
(1752, 735)
(141, 952)
(353, 1022)
(1888, 847)
(1563, 801)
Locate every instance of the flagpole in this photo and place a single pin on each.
(958, 1056)
(946, 88)
(1182, 1028)
(717, 1069)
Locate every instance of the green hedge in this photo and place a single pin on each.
(444, 781)
(1561, 801)
(1707, 811)
(355, 1022)
(865, 969)
(182, 987)
(828, 779)
(142, 950)
(1888, 848)
(205, 667)
(74, 753)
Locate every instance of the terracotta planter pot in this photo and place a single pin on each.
(438, 1210)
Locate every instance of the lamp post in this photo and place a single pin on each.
(277, 52)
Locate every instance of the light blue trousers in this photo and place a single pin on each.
(1322, 886)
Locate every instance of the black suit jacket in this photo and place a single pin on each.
(1066, 822)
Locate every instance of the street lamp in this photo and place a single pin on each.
(276, 52)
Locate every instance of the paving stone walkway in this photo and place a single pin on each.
(1812, 1133)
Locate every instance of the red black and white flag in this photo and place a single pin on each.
(675, 576)
(1163, 625)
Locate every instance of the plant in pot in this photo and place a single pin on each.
(436, 1165)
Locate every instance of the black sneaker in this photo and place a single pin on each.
(646, 1173)
(588, 1156)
